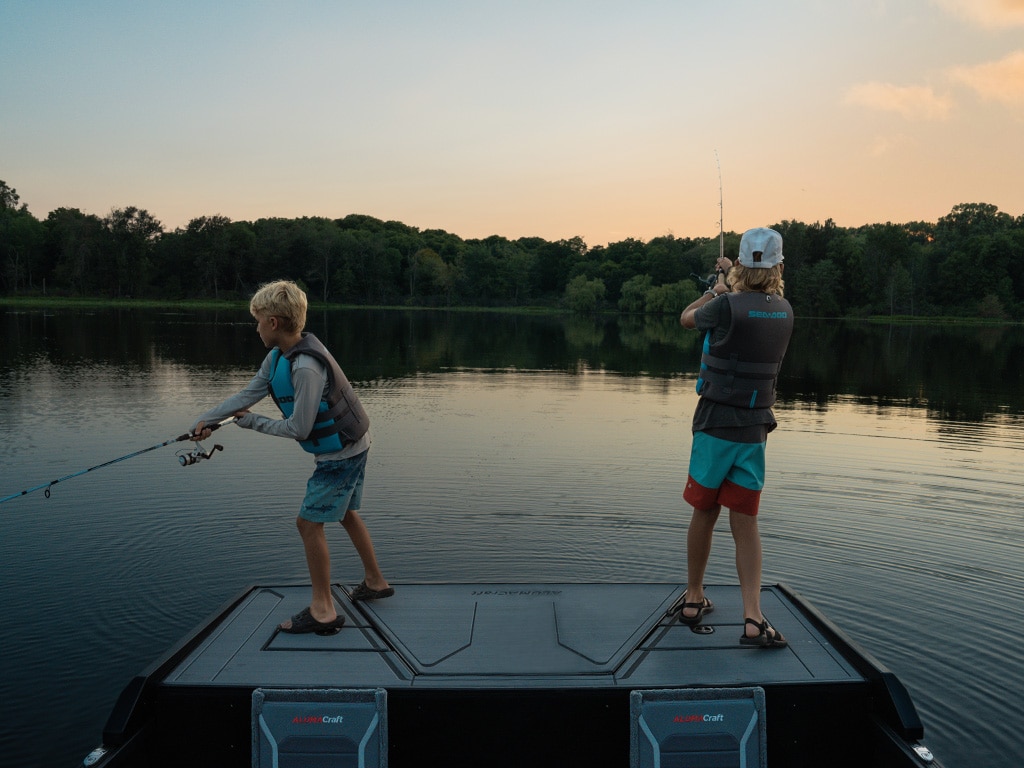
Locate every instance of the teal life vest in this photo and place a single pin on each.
(341, 418)
(742, 369)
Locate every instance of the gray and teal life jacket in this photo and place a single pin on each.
(742, 368)
(341, 418)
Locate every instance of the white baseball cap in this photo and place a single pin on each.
(760, 248)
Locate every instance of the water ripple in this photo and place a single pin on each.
(906, 532)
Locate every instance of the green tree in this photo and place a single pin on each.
(518, 266)
(952, 274)
(583, 295)
(22, 263)
(666, 260)
(74, 242)
(429, 276)
(672, 298)
(478, 278)
(204, 238)
(376, 269)
(843, 251)
(991, 307)
(9, 198)
(885, 246)
(634, 293)
(324, 241)
(817, 293)
(132, 233)
(239, 240)
(971, 220)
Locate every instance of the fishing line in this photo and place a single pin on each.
(185, 458)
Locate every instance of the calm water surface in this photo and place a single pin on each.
(509, 449)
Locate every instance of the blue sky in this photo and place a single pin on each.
(554, 119)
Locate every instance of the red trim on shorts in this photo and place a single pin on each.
(698, 496)
(731, 496)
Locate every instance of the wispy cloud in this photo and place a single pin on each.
(1001, 81)
(995, 14)
(914, 102)
(884, 145)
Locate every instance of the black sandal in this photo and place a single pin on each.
(304, 623)
(768, 637)
(703, 607)
(363, 592)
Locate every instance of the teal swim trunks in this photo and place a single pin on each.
(725, 472)
(334, 489)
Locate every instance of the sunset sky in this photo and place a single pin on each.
(549, 118)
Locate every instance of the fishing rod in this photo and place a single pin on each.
(709, 282)
(721, 210)
(185, 458)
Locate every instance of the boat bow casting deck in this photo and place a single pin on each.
(520, 674)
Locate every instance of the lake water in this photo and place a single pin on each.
(507, 448)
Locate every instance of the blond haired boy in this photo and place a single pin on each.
(321, 411)
(746, 334)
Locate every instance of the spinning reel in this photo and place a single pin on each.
(707, 283)
(197, 454)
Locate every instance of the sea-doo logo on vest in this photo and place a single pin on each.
(768, 315)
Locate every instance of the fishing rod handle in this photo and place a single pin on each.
(212, 427)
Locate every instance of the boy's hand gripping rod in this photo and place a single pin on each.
(180, 438)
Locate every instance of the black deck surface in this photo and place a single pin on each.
(503, 636)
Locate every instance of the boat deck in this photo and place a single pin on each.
(509, 636)
(507, 674)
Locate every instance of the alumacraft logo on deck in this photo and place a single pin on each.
(698, 719)
(318, 719)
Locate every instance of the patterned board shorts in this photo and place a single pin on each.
(726, 473)
(334, 489)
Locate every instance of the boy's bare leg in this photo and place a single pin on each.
(318, 559)
(360, 535)
(698, 550)
(748, 565)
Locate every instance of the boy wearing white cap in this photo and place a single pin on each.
(747, 332)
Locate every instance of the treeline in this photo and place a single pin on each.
(968, 263)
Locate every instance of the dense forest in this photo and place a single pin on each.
(969, 263)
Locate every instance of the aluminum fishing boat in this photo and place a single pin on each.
(537, 674)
